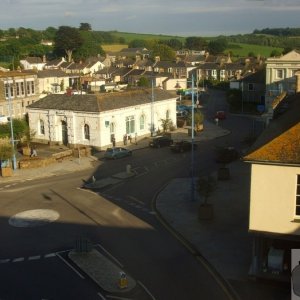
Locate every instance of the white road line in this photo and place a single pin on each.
(101, 296)
(4, 261)
(111, 256)
(147, 291)
(136, 200)
(49, 255)
(116, 297)
(19, 259)
(34, 257)
(82, 277)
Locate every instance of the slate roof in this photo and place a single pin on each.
(280, 141)
(51, 73)
(33, 60)
(102, 102)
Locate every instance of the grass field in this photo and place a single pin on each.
(113, 48)
(242, 50)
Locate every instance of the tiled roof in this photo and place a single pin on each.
(34, 60)
(101, 102)
(280, 141)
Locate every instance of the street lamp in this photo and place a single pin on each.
(192, 139)
(152, 108)
(11, 125)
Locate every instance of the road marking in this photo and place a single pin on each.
(101, 296)
(69, 265)
(147, 291)
(116, 297)
(34, 257)
(4, 261)
(19, 259)
(110, 255)
(49, 255)
(136, 200)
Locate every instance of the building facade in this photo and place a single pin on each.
(94, 120)
(17, 91)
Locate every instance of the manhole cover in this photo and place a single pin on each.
(33, 218)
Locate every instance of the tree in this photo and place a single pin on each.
(67, 39)
(174, 44)
(143, 82)
(198, 119)
(206, 185)
(195, 43)
(217, 46)
(166, 124)
(85, 27)
(163, 51)
(137, 43)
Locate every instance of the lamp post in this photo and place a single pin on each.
(192, 139)
(11, 126)
(152, 107)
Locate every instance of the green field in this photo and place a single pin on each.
(144, 36)
(242, 50)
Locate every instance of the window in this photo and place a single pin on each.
(297, 212)
(130, 125)
(142, 122)
(279, 74)
(86, 131)
(28, 87)
(112, 127)
(9, 90)
(42, 127)
(250, 87)
(22, 89)
(167, 114)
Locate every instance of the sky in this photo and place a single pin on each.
(169, 17)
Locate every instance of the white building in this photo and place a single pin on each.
(94, 120)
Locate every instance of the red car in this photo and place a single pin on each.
(220, 115)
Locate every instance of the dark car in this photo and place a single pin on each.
(160, 141)
(226, 155)
(183, 146)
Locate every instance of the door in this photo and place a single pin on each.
(64, 129)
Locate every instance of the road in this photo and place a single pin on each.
(120, 219)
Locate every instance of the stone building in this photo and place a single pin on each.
(94, 120)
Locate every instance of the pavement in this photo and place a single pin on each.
(223, 242)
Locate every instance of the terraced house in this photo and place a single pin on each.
(17, 91)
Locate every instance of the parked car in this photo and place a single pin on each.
(182, 146)
(226, 155)
(160, 141)
(221, 115)
(117, 152)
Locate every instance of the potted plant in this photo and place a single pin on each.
(28, 137)
(206, 185)
(6, 152)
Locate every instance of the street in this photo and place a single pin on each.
(120, 219)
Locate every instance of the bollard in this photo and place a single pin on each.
(123, 282)
(128, 169)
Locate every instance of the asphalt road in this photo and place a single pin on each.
(120, 219)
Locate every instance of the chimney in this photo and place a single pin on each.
(44, 58)
(157, 59)
(297, 74)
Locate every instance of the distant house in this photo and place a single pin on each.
(274, 218)
(33, 63)
(280, 77)
(253, 87)
(52, 81)
(95, 119)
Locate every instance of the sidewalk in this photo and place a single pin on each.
(223, 241)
